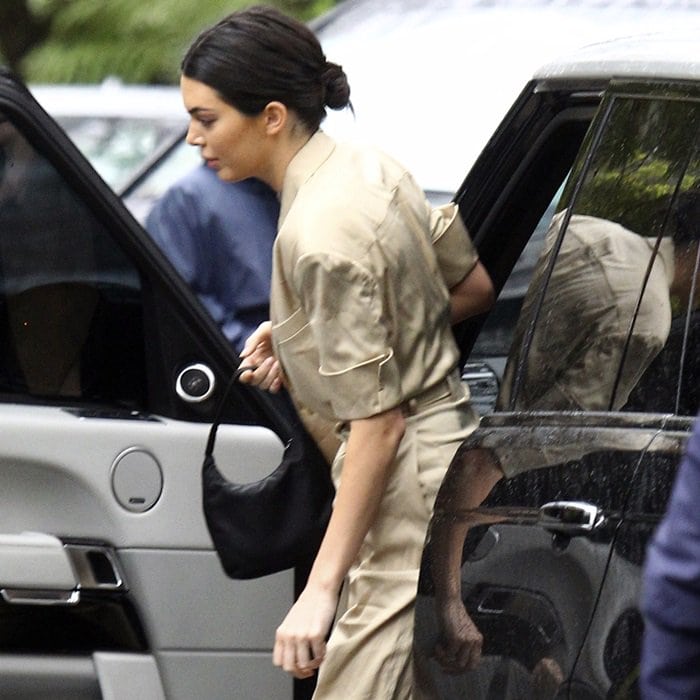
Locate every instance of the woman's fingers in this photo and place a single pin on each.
(266, 375)
(261, 337)
(300, 657)
(300, 641)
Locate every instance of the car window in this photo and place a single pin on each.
(117, 146)
(508, 203)
(497, 334)
(149, 185)
(70, 308)
(608, 320)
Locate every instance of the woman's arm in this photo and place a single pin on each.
(473, 295)
(371, 449)
(472, 475)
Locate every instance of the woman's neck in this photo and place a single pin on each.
(287, 149)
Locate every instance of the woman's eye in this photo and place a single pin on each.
(206, 123)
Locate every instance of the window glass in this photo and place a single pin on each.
(671, 382)
(175, 164)
(497, 333)
(70, 310)
(118, 146)
(612, 288)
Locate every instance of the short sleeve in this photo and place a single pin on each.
(350, 327)
(455, 252)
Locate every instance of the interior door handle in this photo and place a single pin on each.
(39, 597)
(35, 559)
(40, 569)
(570, 517)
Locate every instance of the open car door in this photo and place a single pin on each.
(110, 372)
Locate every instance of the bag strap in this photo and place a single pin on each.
(220, 409)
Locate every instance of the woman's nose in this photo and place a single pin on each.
(193, 138)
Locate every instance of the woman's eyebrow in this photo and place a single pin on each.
(194, 111)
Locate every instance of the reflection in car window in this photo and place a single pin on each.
(612, 288)
(70, 307)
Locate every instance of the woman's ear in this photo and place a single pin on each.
(275, 116)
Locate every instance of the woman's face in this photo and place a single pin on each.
(230, 142)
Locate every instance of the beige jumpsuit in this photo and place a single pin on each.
(360, 323)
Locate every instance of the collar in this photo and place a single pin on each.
(302, 167)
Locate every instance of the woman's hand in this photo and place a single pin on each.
(459, 648)
(300, 641)
(258, 353)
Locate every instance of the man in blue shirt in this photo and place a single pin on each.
(219, 236)
(671, 597)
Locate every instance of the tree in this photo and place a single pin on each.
(139, 41)
(22, 28)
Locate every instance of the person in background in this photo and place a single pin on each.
(670, 666)
(219, 236)
(366, 280)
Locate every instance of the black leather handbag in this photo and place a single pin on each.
(273, 524)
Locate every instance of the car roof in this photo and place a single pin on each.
(111, 98)
(672, 55)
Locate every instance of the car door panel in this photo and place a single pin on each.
(233, 676)
(128, 675)
(52, 487)
(105, 675)
(60, 678)
(534, 626)
(193, 616)
(213, 612)
(101, 452)
(612, 647)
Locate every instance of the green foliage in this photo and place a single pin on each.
(641, 162)
(637, 199)
(139, 41)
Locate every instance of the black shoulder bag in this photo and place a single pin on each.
(273, 524)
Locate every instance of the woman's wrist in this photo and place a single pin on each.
(322, 581)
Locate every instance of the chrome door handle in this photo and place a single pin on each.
(40, 569)
(29, 597)
(570, 517)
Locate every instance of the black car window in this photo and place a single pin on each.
(605, 323)
(507, 201)
(70, 300)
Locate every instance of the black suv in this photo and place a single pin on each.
(591, 407)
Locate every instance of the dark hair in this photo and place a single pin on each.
(258, 55)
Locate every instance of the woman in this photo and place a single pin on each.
(360, 334)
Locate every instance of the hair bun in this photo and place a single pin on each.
(336, 85)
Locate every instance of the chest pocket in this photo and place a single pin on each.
(297, 351)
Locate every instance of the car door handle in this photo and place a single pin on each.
(35, 568)
(40, 569)
(570, 517)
